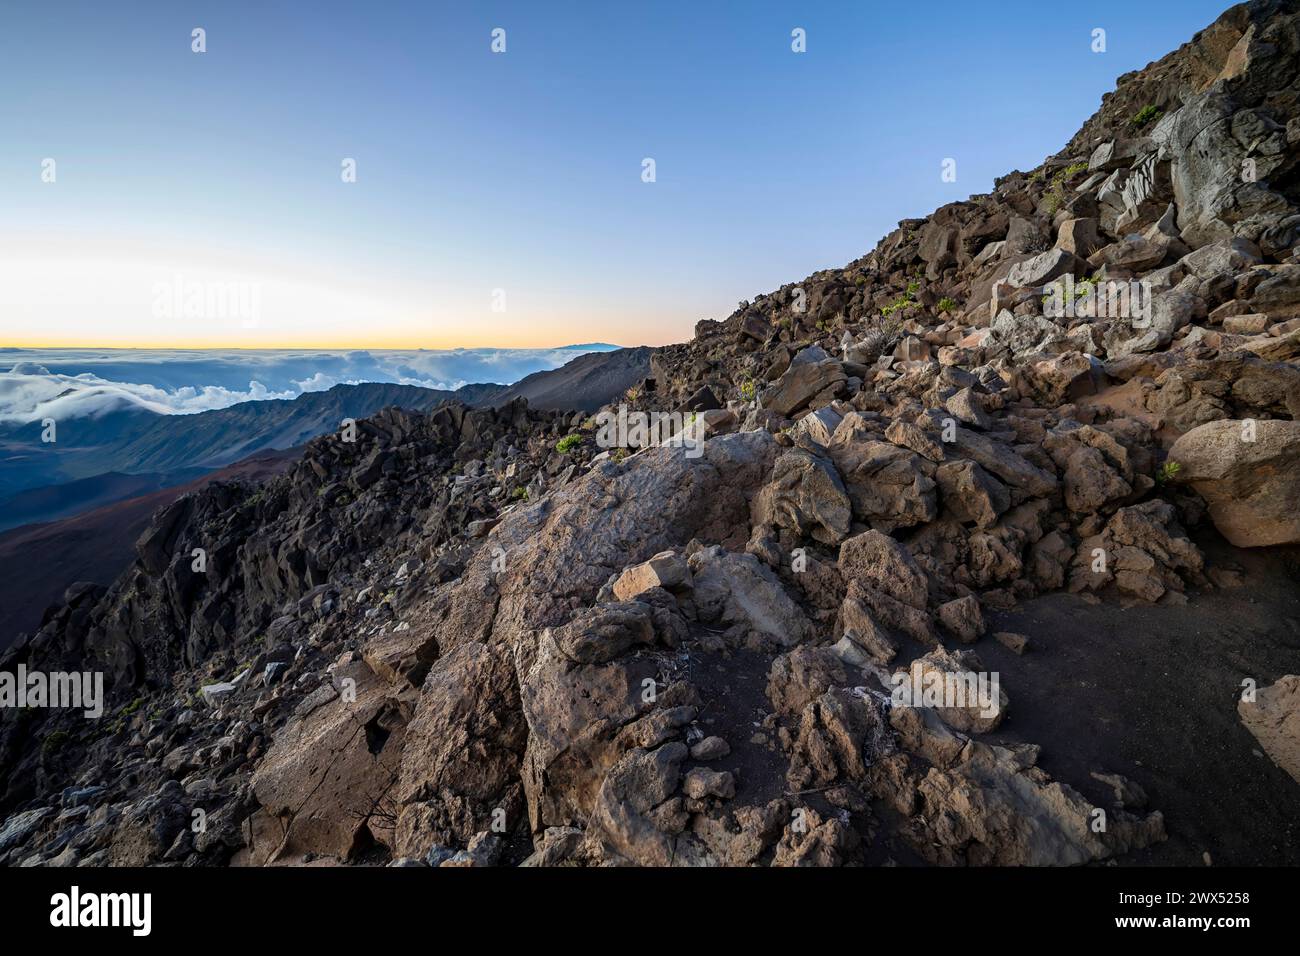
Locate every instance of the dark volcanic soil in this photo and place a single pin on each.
(1150, 692)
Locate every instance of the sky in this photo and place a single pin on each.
(198, 199)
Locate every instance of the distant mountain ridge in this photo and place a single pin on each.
(585, 384)
(137, 441)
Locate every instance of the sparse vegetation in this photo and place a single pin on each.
(946, 304)
(53, 743)
(1146, 115)
(568, 443)
(1168, 472)
(881, 335)
(1054, 197)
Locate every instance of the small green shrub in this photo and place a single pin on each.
(54, 742)
(1168, 472)
(946, 304)
(1146, 115)
(568, 443)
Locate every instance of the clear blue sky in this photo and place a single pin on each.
(519, 171)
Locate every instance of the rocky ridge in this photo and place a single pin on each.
(472, 637)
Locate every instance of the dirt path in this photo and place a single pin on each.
(1150, 692)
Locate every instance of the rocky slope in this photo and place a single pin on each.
(38, 562)
(585, 384)
(474, 637)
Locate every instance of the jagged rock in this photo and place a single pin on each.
(1227, 256)
(992, 806)
(965, 406)
(701, 783)
(20, 826)
(882, 576)
(817, 842)
(462, 751)
(147, 827)
(878, 560)
(969, 493)
(800, 676)
(710, 748)
(1090, 481)
(667, 569)
(1274, 719)
(1251, 486)
(575, 711)
(1025, 335)
(887, 485)
(325, 783)
(736, 588)
(1023, 478)
(906, 435)
(811, 373)
(624, 822)
(1045, 267)
(806, 496)
(1079, 237)
(863, 634)
(1142, 550)
(954, 685)
(1062, 378)
(1012, 641)
(820, 425)
(841, 733)
(963, 618)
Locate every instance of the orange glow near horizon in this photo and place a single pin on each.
(142, 296)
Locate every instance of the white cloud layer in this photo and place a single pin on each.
(77, 383)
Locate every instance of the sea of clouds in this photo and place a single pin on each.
(75, 383)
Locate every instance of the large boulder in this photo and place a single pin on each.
(811, 373)
(733, 589)
(805, 496)
(326, 781)
(1274, 718)
(1248, 472)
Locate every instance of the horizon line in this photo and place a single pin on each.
(314, 348)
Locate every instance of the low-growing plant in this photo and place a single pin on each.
(1146, 115)
(54, 742)
(946, 304)
(1168, 472)
(1054, 198)
(568, 443)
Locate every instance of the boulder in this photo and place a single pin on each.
(807, 496)
(735, 588)
(1079, 237)
(667, 569)
(1045, 267)
(971, 494)
(811, 372)
(1274, 719)
(1250, 486)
